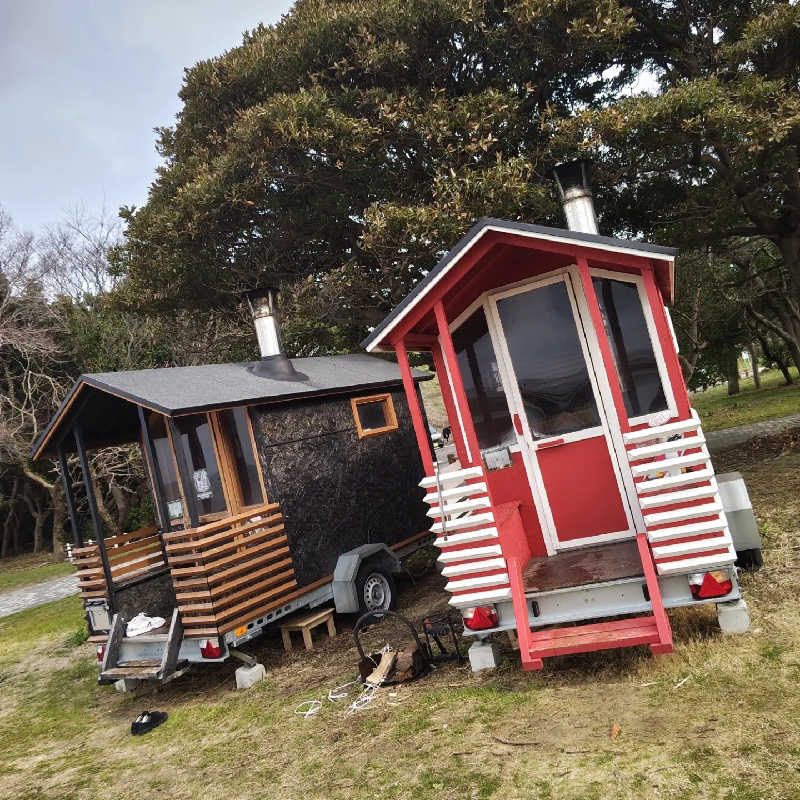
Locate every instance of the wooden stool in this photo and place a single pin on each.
(305, 624)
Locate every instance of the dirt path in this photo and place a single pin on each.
(37, 594)
(734, 437)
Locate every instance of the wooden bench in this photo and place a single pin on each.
(305, 624)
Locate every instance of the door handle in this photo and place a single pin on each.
(518, 424)
(551, 443)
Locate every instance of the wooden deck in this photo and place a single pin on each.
(573, 568)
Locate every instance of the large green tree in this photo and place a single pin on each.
(340, 151)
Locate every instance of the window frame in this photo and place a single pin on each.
(666, 386)
(389, 414)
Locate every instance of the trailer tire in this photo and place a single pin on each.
(375, 588)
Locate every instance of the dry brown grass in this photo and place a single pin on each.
(717, 719)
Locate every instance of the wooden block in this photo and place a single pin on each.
(381, 672)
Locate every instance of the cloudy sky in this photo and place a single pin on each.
(83, 84)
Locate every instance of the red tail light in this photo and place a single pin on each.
(210, 648)
(480, 618)
(705, 585)
(101, 652)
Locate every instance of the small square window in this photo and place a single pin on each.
(373, 415)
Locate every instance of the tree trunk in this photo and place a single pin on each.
(775, 358)
(732, 372)
(105, 514)
(59, 516)
(751, 349)
(122, 503)
(10, 521)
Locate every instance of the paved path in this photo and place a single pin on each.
(37, 594)
(733, 437)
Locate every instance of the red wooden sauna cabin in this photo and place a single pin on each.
(583, 488)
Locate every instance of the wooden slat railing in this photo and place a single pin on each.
(130, 555)
(229, 572)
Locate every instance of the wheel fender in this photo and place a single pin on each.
(347, 566)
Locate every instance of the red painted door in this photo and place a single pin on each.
(558, 413)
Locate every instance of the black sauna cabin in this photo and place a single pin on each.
(262, 475)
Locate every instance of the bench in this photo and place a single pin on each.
(305, 625)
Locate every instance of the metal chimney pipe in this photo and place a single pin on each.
(273, 364)
(264, 308)
(574, 183)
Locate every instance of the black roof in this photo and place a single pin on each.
(180, 390)
(509, 225)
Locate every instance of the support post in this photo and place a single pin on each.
(151, 465)
(417, 418)
(184, 473)
(664, 331)
(458, 384)
(449, 404)
(69, 497)
(97, 523)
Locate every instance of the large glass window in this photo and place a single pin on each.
(236, 431)
(629, 337)
(481, 376)
(551, 371)
(198, 446)
(165, 465)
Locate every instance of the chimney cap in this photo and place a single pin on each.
(571, 175)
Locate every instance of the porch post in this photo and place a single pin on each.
(449, 404)
(417, 418)
(97, 524)
(184, 473)
(671, 359)
(69, 497)
(155, 478)
(458, 384)
(603, 343)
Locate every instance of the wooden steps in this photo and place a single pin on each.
(627, 632)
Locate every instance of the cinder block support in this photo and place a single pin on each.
(733, 617)
(483, 655)
(247, 676)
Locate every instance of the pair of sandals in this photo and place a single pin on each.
(146, 721)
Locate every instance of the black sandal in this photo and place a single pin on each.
(146, 721)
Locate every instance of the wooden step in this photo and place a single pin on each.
(699, 564)
(131, 673)
(449, 477)
(478, 535)
(142, 662)
(475, 583)
(669, 429)
(627, 632)
(650, 450)
(693, 546)
(671, 481)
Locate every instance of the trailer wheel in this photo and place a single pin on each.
(375, 588)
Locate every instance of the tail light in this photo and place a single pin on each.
(101, 652)
(479, 618)
(704, 585)
(210, 648)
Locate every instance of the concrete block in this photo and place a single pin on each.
(247, 676)
(733, 617)
(482, 655)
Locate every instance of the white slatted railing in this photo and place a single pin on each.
(679, 498)
(463, 515)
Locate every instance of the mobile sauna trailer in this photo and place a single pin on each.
(583, 488)
(269, 484)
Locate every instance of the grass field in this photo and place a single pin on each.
(29, 569)
(717, 719)
(773, 400)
